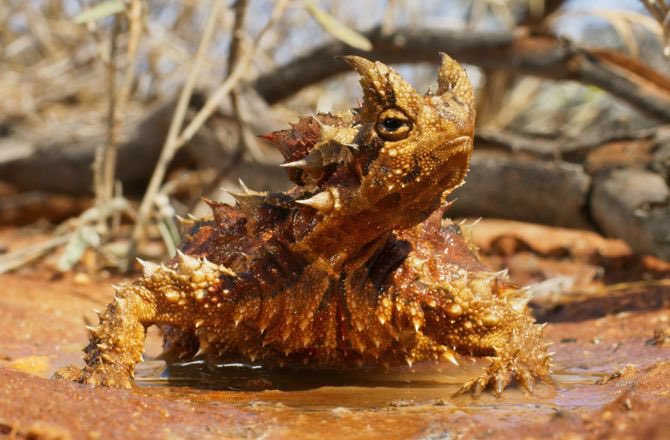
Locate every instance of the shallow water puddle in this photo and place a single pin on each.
(252, 385)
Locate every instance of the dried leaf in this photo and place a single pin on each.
(167, 224)
(336, 28)
(82, 238)
(101, 10)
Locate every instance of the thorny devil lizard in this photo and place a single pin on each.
(354, 267)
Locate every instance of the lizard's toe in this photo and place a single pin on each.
(100, 376)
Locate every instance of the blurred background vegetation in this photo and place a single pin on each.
(118, 116)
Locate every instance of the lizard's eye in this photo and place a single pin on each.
(393, 125)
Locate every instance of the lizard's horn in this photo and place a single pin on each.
(383, 87)
(361, 65)
(453, 80)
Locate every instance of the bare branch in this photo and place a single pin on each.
(543, 56)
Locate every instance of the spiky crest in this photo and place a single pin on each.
(389, 163)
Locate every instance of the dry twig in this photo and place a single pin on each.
(136, 26)
(173, 141)
(105, 162)
(241, 56)
(21, 257)
(75, 234)
(660, 10)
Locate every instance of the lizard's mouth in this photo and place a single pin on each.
(454, 160)
(438, 168)
(449, 157)
(457, 145)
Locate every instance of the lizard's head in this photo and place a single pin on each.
(413, 147)
(395, 157)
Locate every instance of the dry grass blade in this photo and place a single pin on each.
(214, 100)
(105, 167)
(117, 204)
(493, 95)
(609, 291)
(21, 257)
(336, 28)
(503, 12)
(101, 10)
(536, 8)
(166, 224)
(478, 10)
(518, 101)
(560, 291)
(389, 17)
(236, 43)
(173, 141)
(213, 182)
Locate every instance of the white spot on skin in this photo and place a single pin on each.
(172, 296)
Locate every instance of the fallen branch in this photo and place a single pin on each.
(568, 149)
(543, 56)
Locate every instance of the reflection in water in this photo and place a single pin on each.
(254, 385)
(249, 377)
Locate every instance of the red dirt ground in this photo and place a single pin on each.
(610, 330)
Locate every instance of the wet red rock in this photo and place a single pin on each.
(614, 374)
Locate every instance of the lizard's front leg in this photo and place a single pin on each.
(482, 316)
(169, 295)
(518, 353)
(117, 343)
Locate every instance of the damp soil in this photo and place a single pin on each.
(608, 315)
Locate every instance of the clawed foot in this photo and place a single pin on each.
(101, 375)
(499, 375)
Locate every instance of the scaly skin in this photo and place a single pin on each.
(353, 267)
